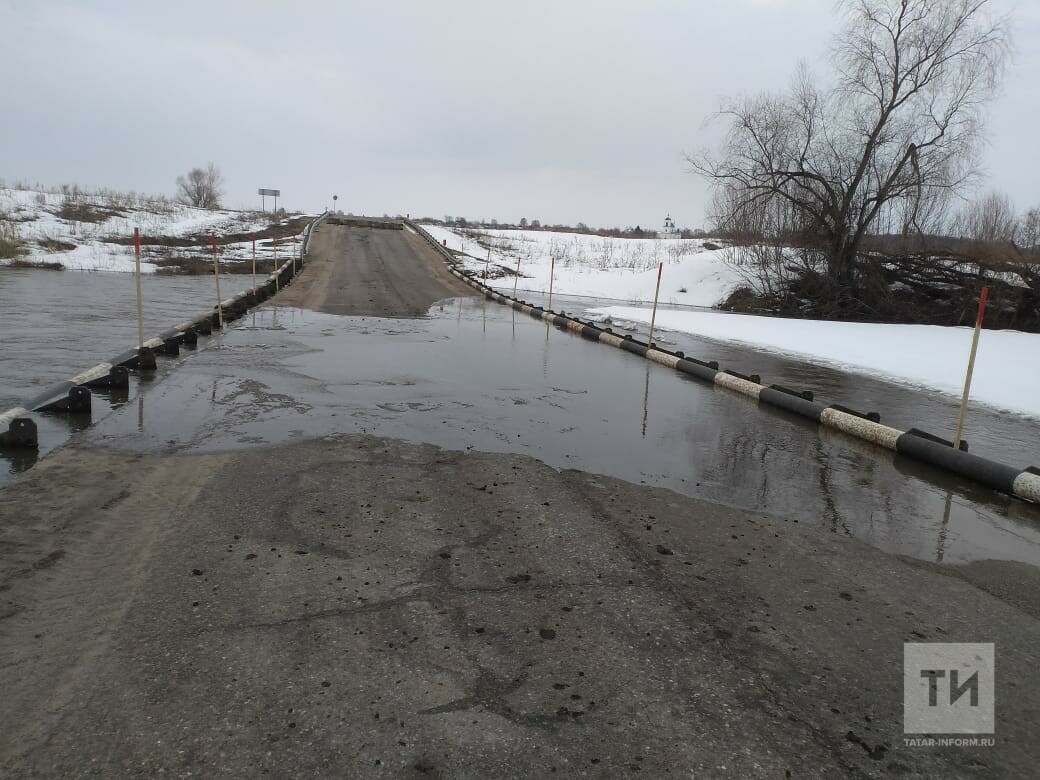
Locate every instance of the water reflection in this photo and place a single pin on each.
(488, 380)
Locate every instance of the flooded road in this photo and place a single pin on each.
(254, 562)
(475, 376)
(1002, 436)
(57, 324)
(472, 376)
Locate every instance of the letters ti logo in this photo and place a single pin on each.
(948, 688)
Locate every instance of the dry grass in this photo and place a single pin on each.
(10, 242)
(55, 244)
(199, 266)
(293, 227)
(78, 211)
(42, 264)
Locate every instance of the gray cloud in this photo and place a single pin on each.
(561, 111)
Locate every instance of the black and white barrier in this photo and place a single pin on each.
(1022, 483)
(18, 430)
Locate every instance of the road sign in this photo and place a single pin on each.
(273, 193)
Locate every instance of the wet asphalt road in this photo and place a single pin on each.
(259, 564)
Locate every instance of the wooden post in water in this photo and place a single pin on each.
(971, 367)
(517, 280)
(137, 273)
(254, 270)
(216, 276)
(653, 315)
(552, 273)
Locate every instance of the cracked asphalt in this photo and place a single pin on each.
(354, 605)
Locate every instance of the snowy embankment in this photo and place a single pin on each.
(1007, 371)
(622, 269)
(91, 232)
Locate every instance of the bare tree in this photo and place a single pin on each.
(1029, 230)
(201, 188)
(895, 133)
(991, 219)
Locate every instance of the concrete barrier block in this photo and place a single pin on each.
(117, 376)
(791, 402)
(981, 470)
(76, 401)
(804, 394)
(872, 416)
(145, 359)
(936, 439)
(755, 379)
(738, 384)
(860, 427)
(663, 358)
(21, 433)
(1027, 486)
(697, 369)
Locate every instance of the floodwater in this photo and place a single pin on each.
(59, 323)
(474, 375)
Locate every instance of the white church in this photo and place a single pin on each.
(669, 230)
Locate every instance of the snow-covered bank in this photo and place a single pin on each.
(1007, 370)
(623, 269)
(80, 230)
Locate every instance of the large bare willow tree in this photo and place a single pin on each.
(895, 131)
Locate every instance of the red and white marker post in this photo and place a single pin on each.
(277, 283)
(552, 273)
(216, 276)
(137, 275)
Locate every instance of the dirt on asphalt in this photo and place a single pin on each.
(359, 606)
(371, 272)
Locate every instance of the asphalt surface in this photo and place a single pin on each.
(371, 272)
(358, 606)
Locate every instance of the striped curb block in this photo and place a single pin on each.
(1021, 483)
(18, 430)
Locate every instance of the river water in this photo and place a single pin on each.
(475, 375)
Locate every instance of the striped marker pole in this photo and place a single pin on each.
(552, 273)
(277, 280)
(487, 264)
(517, 280)
(216, 276)
(971, 367)
(137, 274)
(254, 269)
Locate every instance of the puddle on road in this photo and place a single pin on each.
(476, 376)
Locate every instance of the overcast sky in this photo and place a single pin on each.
(560, 111)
